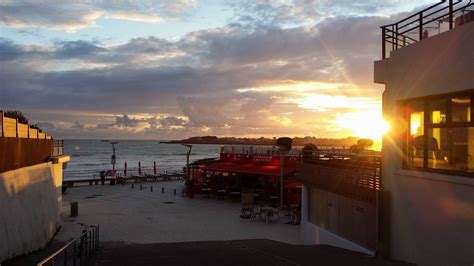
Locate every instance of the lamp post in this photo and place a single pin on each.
(187, 159)
(113, 159)
(284, 144)
(282, 162)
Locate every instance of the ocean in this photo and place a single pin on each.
(89, 157)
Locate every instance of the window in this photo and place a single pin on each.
(440, 134)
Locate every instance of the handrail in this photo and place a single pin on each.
(58, 147)
(394, 35)
(84, 246)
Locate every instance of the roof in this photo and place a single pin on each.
(248, 168)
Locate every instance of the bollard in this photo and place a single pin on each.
(74, 209)
(162, 190)
(174, 191)
(141, 187)
(151, 188)
(133, 186)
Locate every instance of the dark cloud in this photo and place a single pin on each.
(77, 49)
(9, 50)
(46, 125)
(78, 125)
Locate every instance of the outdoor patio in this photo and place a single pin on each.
(142, 216)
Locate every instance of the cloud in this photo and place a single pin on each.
(231, 80)
(77, 49)
(75, 15)
(78, 125)
(49, 15)
(9, 50)
(137, 17)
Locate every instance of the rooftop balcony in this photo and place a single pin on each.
(433, 20)
(356, 176)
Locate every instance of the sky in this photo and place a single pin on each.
(179, 68)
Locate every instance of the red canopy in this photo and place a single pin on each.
(248, 168)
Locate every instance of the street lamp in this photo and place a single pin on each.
(113, 159)
(187, 159)
(284, 144)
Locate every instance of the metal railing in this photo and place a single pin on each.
(356, 176)
(78, 251)
(273, 150)
(58, 147)
(429, 21)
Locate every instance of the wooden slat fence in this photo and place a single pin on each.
(21, 145)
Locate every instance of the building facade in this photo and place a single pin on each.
(428, 154)
(417, 205)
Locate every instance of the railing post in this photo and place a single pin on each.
(98, 237)
(74, 254)
(420, 27)
(17, 128)
(1, 118)
(383, 49)
(450, 14)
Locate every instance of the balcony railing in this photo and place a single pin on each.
(352, 175)
(58, 147)
(433, 20)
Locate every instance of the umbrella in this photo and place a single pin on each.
(154, 167)
(125, 169)
(139, 168)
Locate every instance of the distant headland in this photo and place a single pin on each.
(297, 141)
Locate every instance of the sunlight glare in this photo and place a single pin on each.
(363, 124)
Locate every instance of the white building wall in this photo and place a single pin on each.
(431, 215)
(30, 204)
(312, 234)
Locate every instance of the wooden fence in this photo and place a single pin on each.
(21, 145)
(344, 194)
(11, 128)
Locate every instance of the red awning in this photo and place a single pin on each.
(293, 184)
(248, 168)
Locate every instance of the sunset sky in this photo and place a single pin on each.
(180, 68)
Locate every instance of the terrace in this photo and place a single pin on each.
(428, 22)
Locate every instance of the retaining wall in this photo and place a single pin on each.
(30, 203)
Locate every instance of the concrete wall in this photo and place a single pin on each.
(30, 204)
(431, 219)
(312, 234)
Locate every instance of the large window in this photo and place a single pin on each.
(440, 135)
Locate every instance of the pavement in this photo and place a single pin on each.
(148, 227)
(140, 216)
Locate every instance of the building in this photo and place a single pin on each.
(31, 175)
(428, 155)
(418, 204)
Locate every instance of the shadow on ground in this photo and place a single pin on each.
(237, 252)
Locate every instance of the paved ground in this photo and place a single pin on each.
(133, 216)
(140, 227)
(238, 252)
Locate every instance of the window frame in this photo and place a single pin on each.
(428, 125)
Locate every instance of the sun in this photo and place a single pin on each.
(363, 124)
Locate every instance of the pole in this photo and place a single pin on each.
(282, 158)
(187, 159)
(113, 157)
